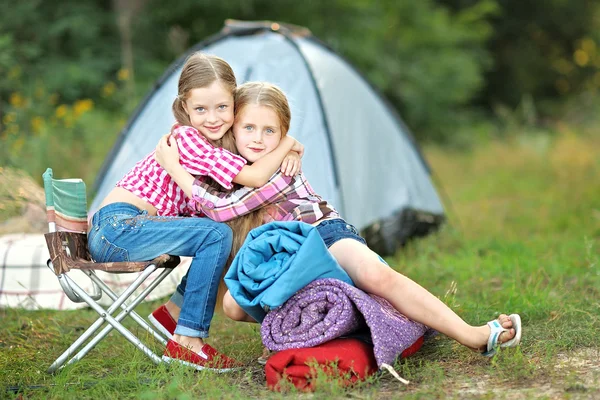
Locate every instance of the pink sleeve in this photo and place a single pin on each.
(225, 206)
(199, 157)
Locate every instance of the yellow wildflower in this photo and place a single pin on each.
(8, 118)
(82, 106)
(581, 58)
(16, 100)
(108, 89)
(563, 66)
(37, 123)
(61, 111)
(18, 144)
(588, 45)
(123, 74)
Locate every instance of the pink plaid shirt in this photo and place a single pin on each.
(286, 199)
(149, 181)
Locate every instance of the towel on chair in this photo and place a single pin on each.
(276, 260)
(327, 309)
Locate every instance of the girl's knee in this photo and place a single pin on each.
(224, 231)
(232, 309)
(219, 234)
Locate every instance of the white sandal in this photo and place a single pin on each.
(496, 329)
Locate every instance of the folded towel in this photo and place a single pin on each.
(275, 261)
(327, 309)
(347, 360)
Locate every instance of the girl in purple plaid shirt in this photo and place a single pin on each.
(262, 118)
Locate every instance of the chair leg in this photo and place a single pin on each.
(105, 315)
(110, 293)
(69, 291)
(126, 310)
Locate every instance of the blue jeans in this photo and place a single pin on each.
(122, 232)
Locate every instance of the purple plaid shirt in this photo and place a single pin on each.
(285, 198)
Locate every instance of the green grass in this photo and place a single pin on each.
(523, 236)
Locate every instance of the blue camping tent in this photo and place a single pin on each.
(359, 154)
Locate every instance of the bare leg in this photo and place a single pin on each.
(173, 309)
(408, 297)
(193, 343)
(233, 310)
(373, 276)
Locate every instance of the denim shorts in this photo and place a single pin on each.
(333, 230)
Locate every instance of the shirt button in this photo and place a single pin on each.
(210, 204)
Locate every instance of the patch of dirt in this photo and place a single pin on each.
(575, 375)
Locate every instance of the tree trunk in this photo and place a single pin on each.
(125, 11)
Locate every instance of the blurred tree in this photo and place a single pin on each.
(540, 49)
(434, 59)
(70, 47)
(428, 61)
(125, 10)
(56, 62)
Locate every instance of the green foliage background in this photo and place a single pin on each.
(66, 88)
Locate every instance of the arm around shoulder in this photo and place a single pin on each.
(258, 174)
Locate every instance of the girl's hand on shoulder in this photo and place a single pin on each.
(291, 164)
(297, 146)
(167, 152)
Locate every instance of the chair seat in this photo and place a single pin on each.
(68, 250)
(162, 261)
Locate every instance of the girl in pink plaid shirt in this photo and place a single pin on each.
(144, 216)
(262, 119)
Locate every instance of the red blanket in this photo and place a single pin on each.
(346, 360)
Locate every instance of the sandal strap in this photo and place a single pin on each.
(495, 330)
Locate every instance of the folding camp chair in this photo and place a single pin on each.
(66, 209)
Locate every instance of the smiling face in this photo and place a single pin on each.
(210, 110)
(257, 131)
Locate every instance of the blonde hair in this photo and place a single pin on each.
(199, 71)
(261, 94)
(267, 95)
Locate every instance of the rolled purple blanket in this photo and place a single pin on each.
(328, 308)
